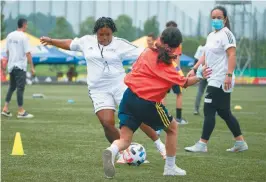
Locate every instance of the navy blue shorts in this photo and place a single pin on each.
(134, 110)
(176, 89)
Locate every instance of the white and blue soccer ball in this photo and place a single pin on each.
(135, 154)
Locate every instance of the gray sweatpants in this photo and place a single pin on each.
(201, 89)
(17, 81)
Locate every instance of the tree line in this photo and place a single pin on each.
(40, 24)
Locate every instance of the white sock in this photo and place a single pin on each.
(114, 148)
(170, 161)
(158, 142)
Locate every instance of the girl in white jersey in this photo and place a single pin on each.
(104, 54)
(220, 56)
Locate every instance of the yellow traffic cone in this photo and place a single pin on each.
(17, 147)
(238, 107)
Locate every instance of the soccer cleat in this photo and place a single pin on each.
(181, 121)
(24, 115)
(162, 150)
(198, 147)
(173, 171)
(6, 113)
(238, 147)
(108, 164)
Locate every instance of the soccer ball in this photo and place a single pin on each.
(135, 154)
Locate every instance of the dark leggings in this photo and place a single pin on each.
(17, 81)
(218, 101)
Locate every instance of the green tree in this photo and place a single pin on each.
(152, 25)
(33, 30)
(3, 27)
(86, 27)
(63, 29)
(125, 28)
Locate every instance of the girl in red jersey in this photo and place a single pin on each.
(152, 76)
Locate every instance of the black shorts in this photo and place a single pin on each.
(134, 110)
(217, 98)
(176, 89)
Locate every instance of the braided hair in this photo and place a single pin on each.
(104, 22)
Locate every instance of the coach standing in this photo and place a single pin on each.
(18, 52)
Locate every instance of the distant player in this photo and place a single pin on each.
(18, 53)
(152, 76)
(151, 38)
(176, 88)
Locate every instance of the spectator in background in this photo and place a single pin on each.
(18, 52)
(202, 84)
(151, 38)
(71, 73)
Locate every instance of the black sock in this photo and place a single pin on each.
(178, 113)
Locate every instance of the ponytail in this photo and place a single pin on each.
(165, 54)
(227, 23)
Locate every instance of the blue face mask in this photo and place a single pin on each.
(218, 24)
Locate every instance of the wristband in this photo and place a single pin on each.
(229, 74)
(194, 69)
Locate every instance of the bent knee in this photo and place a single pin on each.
(172, 129)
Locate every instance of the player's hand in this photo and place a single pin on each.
(227, 82)
(46, 40)
(191, 73)
(206, 72)
(32, 70)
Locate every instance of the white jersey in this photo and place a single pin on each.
(104, 63)
(17, 44)
(199, 53)
(216, 56)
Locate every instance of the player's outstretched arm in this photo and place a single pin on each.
(203, 72)
(61, 43)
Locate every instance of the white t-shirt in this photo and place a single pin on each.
(199, 52)
(104, 63)
(216, 56)
(17, 44)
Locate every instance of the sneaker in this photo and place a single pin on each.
(24, 115)
(162, 150)
(196, 112)
(181, 121)
(238, 147)
(173, 171)
(6, 113)
(108, 164)
(198, 147)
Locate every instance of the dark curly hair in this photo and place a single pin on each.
(104, 22)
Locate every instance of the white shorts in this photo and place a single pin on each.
(107, 98)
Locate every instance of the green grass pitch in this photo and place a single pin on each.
(64, 142)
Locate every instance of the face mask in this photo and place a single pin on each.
(218, 24)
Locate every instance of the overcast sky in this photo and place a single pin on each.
(144, 8)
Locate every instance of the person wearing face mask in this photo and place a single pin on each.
(220, 57)
(104, 55)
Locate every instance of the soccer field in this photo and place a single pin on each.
(64, 142)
